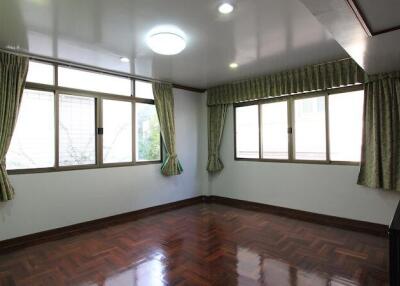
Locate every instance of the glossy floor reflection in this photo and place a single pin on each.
(204, 244)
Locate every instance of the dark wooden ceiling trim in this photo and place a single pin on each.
(360, 16)
(391, 29)
(355, 7)
(189, 88)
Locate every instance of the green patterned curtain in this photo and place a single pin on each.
(380, 159)
(13, 71)
(216, 122)
(164, 101)
(309, 78)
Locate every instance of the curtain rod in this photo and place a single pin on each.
(97, 69)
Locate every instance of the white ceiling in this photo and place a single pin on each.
(262, 36)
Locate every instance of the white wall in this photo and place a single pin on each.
(324, 189)
(50, 200)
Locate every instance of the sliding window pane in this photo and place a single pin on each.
(247, 139)
(143, 89)
(77, 130)
(40, 73)
(147, 133)
(86, 80)
(117, 136)
(310, 136)
(274, 130)
(345, 125)
(32, 144)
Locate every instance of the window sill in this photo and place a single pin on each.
(78, 168)
(315, 162)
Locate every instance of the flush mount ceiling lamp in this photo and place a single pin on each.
(124, 60)
(226, 8)
(166, 40)
(233, 65)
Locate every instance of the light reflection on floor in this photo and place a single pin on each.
(149, 272)
(269, 271)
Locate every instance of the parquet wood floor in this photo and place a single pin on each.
(204, 244)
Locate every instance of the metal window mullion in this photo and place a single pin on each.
(57, 128)
(260, 135)
(134, 132)
(234, 129)
(55, 75)
(327, 135)
(56, 118)
(99, 137)
(291, 126)
(133, 116)
(133, 90)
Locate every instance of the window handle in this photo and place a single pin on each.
(290, 130)
(100, 131)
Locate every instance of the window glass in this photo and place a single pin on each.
(40, 73)
(143, 89)
(86, 80)
(77, 130)
(247, 139)
(32, 144)
(274, 130)
(147, 133)
(117, 136)
(310, 136)
(345, 125)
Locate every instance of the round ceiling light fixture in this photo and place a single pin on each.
(225, 8)
(124, 59)
(233, 65)
(166, 43)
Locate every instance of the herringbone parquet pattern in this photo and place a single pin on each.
(204, 244)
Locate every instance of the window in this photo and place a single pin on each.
(40, 73)
(117, 136)
(85, 80)
(33, 141)
(77, 118)
(77, 130)
(310, 139)
(143, 89)
(345, 125)
(247, 134)
(147, 133)
(274, 131)
(321, 128)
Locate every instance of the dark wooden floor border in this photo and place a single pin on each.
(344, 223)
(63, 232)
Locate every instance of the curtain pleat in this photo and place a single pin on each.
(306, 79)
(216, 123)
(380, 159)
(13, 71)
(164, 102)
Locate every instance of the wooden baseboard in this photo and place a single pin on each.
(59, 233)
(344, 223)
(62, 232)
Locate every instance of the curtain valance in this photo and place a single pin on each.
(324, 76)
